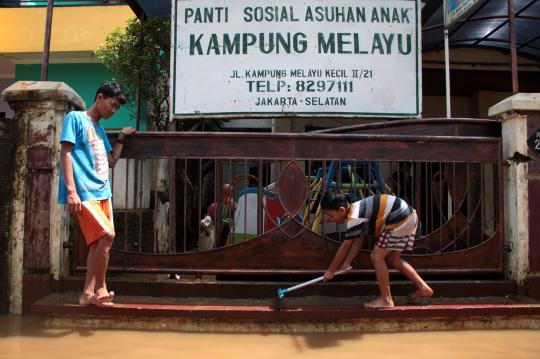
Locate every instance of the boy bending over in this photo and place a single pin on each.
(393, 221)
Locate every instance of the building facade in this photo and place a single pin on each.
(79, 27)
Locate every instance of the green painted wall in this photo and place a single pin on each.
(84, 79)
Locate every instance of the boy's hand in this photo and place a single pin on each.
(74, 202)
(328, 275)
(128, 131)
(345, 267)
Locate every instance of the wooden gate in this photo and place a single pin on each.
(239, 203)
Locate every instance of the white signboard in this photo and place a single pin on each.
(258, 58)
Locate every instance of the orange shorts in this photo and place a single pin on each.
(95, 219)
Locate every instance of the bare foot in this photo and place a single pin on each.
(379, 303)
(84, 299)
(95, 301)
(421, 292)
(104, 296)
(92, 299)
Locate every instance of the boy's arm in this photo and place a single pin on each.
(353, 251)
(349, 248)
(73, 200)
(114, 156)
(338, 259)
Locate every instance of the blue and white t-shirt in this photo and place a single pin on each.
(89, 158)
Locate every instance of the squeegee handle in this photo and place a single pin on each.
(313, 281)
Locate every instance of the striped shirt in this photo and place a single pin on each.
(375, 213)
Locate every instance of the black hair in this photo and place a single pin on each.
(333, 199)
(111, 89)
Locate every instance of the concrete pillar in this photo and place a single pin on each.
(36, 229)
(520, 117)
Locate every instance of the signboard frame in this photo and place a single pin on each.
(200, 114)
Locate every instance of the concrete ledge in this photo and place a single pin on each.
(39, 91)
(517, 102)
(351, 325)
(307, 314)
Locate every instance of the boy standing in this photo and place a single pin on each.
(85, 157)
(393, 221)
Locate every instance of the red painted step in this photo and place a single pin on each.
(293, 308)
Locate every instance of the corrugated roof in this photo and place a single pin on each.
(486, 26)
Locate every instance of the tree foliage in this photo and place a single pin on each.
(140, 55)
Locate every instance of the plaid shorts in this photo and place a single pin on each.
(399, 237)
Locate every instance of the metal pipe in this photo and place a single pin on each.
(447, 74)
(47, 42)
(155, 169)
(139, 82)
(135, 202)
(185, 209)
(246, 172)
(441, 204)
(218, 178)
(140, 177)
(454, 201)
(513, 51)
(126, 206)
(200, 213)
(468, 190)
(426, 210)
(260, 207)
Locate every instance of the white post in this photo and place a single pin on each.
(39, 110)
(447, 73)
(513, 114)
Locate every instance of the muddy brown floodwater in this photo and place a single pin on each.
(25, 338)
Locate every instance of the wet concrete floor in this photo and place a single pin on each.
(24, 337)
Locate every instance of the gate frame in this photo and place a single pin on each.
(457, 140)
